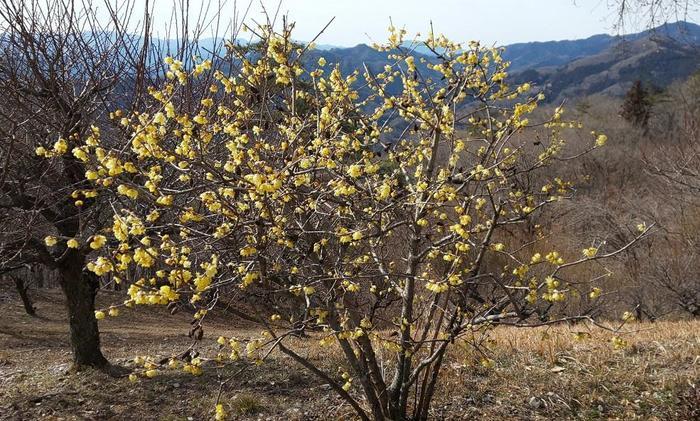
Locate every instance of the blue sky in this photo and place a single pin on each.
(491, 21)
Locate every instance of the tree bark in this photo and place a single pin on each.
(24, 295)
(80, 290)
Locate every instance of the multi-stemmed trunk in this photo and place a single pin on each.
(391, 401)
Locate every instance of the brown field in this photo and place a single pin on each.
(538, 374)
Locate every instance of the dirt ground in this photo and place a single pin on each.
(537, 374)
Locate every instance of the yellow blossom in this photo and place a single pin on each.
(127, 191)
(165, 200)
(601, 140)
(618, 343)
(383, 192)
(60, 147)
(98, 241)
(220, 413)
(590, 252)
(355, 171)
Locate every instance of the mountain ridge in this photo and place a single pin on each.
(557, 53)
(600, 64)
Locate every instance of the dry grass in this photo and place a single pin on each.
(538, 374)
(549, 373)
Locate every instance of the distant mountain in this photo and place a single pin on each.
(657, 58)
(353, 58)
(553, 53)
(558, 53)
(359, 56)
(600, 64)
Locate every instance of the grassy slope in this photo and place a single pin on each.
(542, 374)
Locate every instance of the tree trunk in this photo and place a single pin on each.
(80, 290)
(38, 276)
(24, 295)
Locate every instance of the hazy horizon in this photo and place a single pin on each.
(364, 21)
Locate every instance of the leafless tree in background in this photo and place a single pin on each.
(676, 169)
(64, 70)
(60, 68)
(651, 13)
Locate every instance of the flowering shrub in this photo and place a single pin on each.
(381, 223)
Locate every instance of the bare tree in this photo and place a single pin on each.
(61, 69)
(67, 74)
(676, 170)
(652, 13)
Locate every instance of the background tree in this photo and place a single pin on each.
(676, 170)
(61, 69)
(652, 13)
(636, 107)
(65, 71)
(648, 176)
(21, 286)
